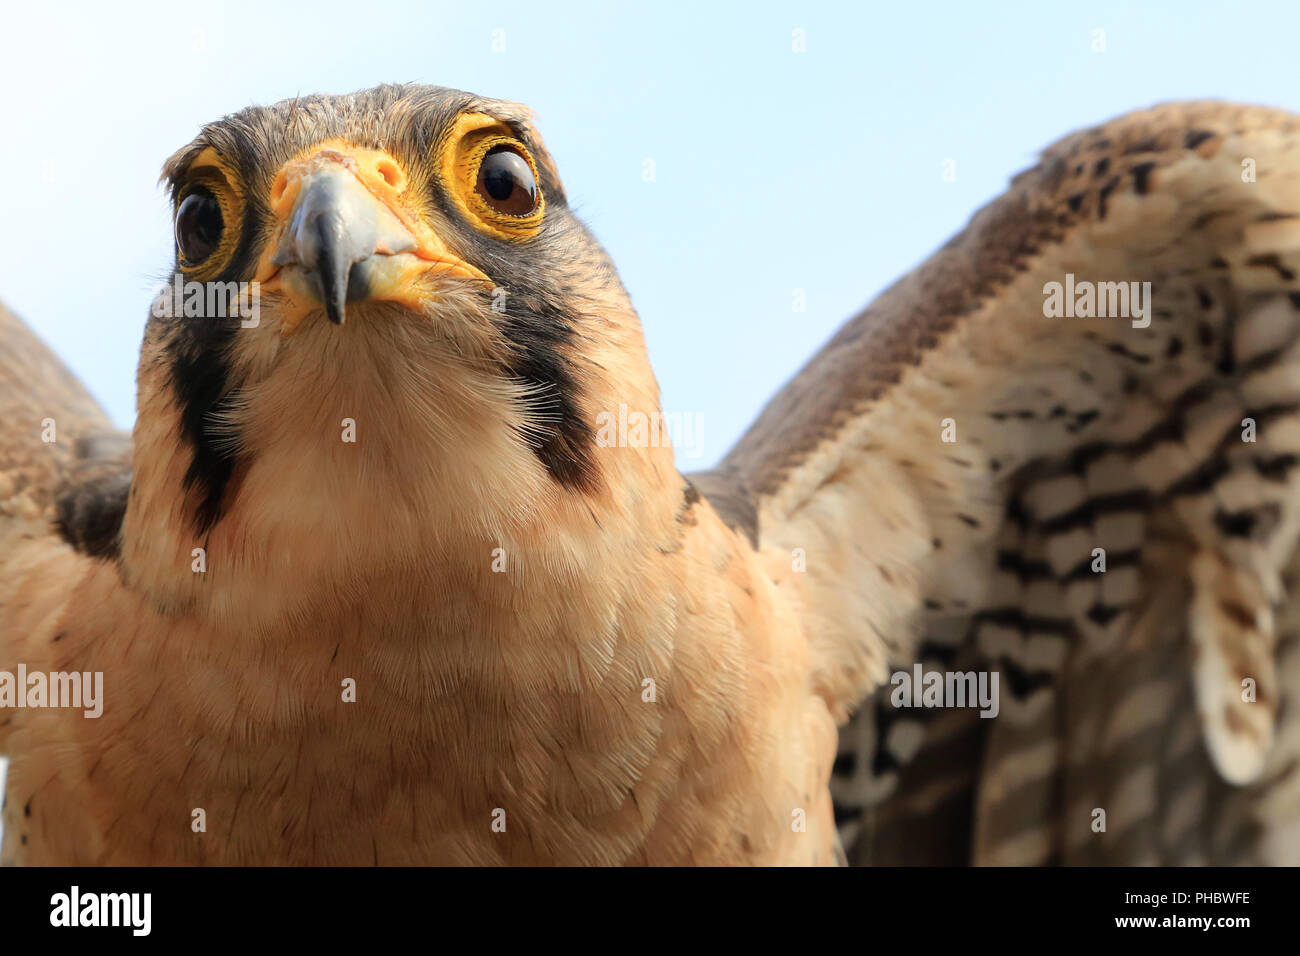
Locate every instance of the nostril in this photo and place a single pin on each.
(390, 172)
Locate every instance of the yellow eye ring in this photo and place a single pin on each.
(207, 217)
(493, 178)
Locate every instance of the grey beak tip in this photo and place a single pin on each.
(333, 265)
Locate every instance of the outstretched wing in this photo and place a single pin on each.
(44, 411)
(1065, 450)
(64, 471)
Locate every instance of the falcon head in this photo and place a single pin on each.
(402, 333)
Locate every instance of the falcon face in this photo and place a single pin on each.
(419, 275)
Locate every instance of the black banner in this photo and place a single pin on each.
(871, 906)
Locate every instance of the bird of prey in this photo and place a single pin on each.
(369, 585)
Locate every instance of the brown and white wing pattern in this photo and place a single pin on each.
(1023, 459)
(44, 411)
(64, 472)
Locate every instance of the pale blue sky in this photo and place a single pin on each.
(775, 170)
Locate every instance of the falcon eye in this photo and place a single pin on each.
(199, 224)
(491, 176)
(506, 181)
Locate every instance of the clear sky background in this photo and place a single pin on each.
(774, 170)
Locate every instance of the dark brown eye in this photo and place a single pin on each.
(506, 183)
(198, 225)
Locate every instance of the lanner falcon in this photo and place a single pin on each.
(368, 584)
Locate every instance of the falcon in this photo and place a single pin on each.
(367, 585)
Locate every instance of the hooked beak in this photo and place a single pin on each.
(344, 234)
